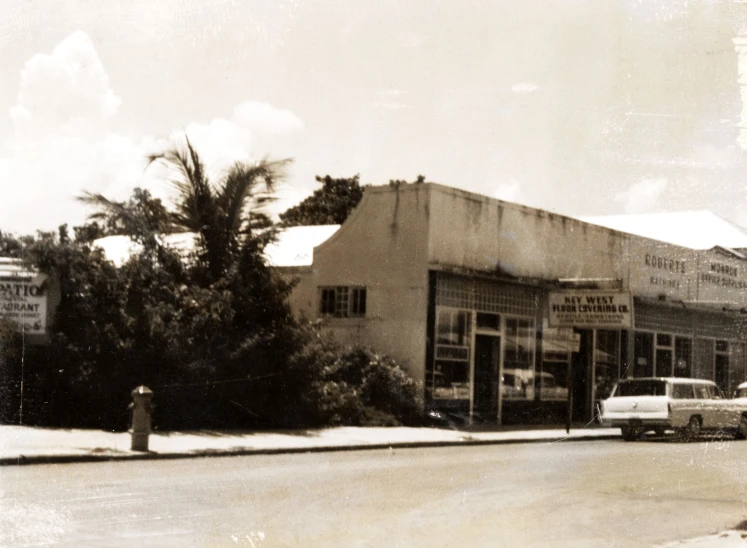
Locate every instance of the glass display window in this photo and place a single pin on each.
(606, 362)
(450, 377)
(683, 356)
(518, 381)
(558, 344)
(643, 355)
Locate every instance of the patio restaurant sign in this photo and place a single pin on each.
(24, 302)
(591, 308)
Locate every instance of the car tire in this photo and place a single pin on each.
(694, 427)
(742, 429)
(630, 434)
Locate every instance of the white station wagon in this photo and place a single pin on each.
(689, 406)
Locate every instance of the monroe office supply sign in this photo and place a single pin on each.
(24, 302)
(587, 308)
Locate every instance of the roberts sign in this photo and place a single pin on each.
(25, 303)
(586, 308)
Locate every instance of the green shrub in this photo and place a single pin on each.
(365, 388)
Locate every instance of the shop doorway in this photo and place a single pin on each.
(580, 378)
(487, 364)
(722, 372)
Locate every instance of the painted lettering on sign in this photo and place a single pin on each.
(663, 263)
(719, 268)
(588, 308)
(664, 282)
(722, 281)
(25, 304)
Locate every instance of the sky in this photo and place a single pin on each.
(579, 107)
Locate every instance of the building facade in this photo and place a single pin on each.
(514, 314)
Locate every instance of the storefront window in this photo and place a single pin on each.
(683, 356)
(450, 378)
(663, 362)
(518, 380)
(607, 363)
(557, 346)
(664, 355)
(643, 364)
(722, 365)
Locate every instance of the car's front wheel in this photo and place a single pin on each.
(694, 428)
(630, 434)
(742, 430)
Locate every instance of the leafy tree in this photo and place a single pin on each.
(80, 369)
(11, 246)
(142, 217)
(88, 232)
(329, 205)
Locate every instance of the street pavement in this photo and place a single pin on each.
(28, 445)
(598, 493)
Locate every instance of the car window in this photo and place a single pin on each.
(635, 387)
(715, 392)
(701, 392)
(742, 393)
(682, 391)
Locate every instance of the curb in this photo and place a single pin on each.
(71, 459)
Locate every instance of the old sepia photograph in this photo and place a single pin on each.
(373, 273)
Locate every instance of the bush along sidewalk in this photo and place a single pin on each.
(365, 388)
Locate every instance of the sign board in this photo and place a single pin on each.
(591, 308)
(23, 301)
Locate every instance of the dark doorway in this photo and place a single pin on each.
(580, 378)
(487, 360)
(722, 372)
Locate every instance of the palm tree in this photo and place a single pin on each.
(224, 212)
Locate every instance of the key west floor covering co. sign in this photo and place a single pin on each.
(586, 308)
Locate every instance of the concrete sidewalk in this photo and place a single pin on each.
(30, 445)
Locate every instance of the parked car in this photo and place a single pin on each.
(689, 406)
(545, 384)
(741, 391)
(444, 389)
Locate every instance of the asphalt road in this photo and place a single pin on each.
(602, 493)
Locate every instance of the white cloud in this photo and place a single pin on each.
(63, 143)
(642, 196)
(524, 87)
(261, 116)
(65, 90)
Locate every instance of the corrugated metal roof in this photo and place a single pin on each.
(692, 229)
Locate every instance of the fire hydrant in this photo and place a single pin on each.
(142, 412)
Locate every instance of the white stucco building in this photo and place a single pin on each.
(501, 309)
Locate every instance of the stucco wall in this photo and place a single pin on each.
(657, 268)
(477, 232)
(382, 246)
(302, 299)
